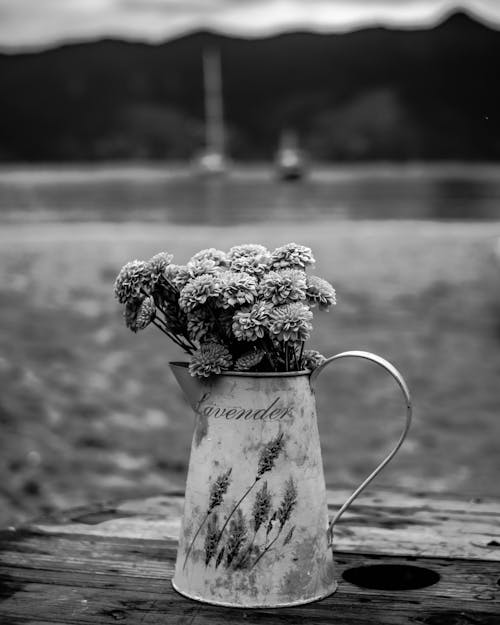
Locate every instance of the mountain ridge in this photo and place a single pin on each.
(370, 94)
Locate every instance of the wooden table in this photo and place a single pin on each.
(113, 563)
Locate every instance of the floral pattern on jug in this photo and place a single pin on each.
(241, 541)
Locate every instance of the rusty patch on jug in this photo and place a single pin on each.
(201, 428)
(301, 581)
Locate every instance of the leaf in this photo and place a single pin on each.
(289, 536)
(219, 557)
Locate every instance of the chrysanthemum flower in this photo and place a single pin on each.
(253, 265)
(134, 278)
(158, 263)
(199, 325)
(292, 256)
(202, 326)
(249, 323)
(217, 256)
(249, 360)
(312, 359)
(291, 322)
(146, 313)
(251, 301)
(178, 275)
(202, 266)
(139, 313)
(284, 286)
(130, 313)
(247, 250)
(238, 289)
(320, 292)
(198, 290)
(211, 358)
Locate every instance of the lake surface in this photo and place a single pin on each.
(168, 193)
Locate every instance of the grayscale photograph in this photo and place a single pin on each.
(250, 312)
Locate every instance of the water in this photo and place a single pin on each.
(166, 193)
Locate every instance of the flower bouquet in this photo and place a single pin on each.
(245, 310)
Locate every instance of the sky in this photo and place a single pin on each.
(45, 23)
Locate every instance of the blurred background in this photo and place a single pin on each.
(368, 130)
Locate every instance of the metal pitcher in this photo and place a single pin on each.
(255, 530)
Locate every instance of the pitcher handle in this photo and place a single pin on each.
(406, 393)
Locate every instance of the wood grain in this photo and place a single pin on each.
(113, 563)
(386, 522)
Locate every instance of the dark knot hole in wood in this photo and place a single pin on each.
(391, 577)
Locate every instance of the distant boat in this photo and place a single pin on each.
(212, 160)
(290, 161)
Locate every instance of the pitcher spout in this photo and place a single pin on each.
(193, 388)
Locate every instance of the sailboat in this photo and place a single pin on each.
(290, 161)
(212, 160)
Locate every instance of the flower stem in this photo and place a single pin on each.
(236, 506)
(194, 538)
(301, 354)
(186, 340)
(217, 322)
(247, 550)
(267, 548)
(269, 351)
(164, 329)
(193, 346)
(171, 336)
(158, 325)
(189, 348)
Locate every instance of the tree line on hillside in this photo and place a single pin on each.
(366, 95)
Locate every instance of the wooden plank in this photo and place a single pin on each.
(434, 526)
(110, 563)
(466, 580)
(94, 554)
(467, 592)
(156, 517)
(154, 560)
(384, 522)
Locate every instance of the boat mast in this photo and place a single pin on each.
(213, 101)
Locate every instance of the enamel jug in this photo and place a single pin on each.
(255, 529)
